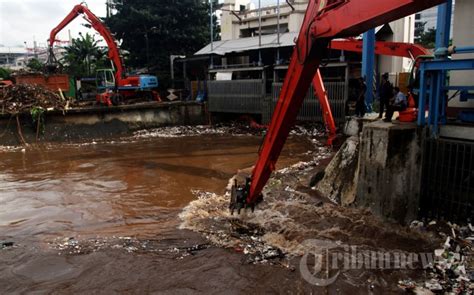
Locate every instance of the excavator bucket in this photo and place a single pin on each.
(238, 196)
(52, 65)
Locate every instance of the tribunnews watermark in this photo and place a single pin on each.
(321, 266)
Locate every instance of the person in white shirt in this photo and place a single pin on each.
(399, 104)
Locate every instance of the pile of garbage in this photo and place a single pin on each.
(73, 246)
(452, 270)
(22, 98)
(234, 128)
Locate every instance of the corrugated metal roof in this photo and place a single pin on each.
(251, 43)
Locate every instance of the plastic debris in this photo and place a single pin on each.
(451, 271)
(6, 244)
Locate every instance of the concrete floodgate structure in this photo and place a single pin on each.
(378, 167)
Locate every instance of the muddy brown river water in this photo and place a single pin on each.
(113, 191)
(147, 214)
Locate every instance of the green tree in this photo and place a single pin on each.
(425, 37)
(152, 30)
(84, 56)
(5, 74)
(428, 38)
(35, 65)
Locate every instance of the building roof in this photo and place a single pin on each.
(12, 50)
(252, 43)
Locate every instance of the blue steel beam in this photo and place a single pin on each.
(449, 65)
(443, 34)
(443, 25)
(463, 49)
(460, 88)
(368, 61)
(422, 95)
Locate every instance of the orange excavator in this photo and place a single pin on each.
(324, 21)
(113, 83)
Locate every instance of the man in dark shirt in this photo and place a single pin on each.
(360, 103)
(385, 94)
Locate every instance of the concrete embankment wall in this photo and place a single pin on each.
(100, 123)
(389, 172)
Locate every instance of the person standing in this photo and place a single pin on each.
(361, 107)
(385, 94)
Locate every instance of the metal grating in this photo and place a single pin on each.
(310, 110)
(237, 96)
(447, 186)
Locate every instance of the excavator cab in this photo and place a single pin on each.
(105, 79)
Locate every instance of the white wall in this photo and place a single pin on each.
(403, 31)
(228, 29)
(463, 35)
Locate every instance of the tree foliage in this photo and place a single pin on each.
(171, 27)
(5, 74)
(425, 37)
(35, 65)
(84, 56)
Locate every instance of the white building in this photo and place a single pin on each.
(240, 19)
(12, 57)
(16, 58)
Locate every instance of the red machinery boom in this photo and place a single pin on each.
(324, 20)
(382, 48)
(113, 54)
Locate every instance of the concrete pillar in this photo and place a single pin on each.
(389, 172)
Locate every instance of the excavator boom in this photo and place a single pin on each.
(324, 20)
(96, 23)
(399, 49)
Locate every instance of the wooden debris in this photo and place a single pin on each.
(22, 98)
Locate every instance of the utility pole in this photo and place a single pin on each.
(278, 32)
(107, 6)
(259, 32)
(27, 56)
(147, 49)
(211, 21)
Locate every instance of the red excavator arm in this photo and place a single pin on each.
(324, 20)
(382, 48)
(96, 23)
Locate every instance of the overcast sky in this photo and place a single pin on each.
(27, 20)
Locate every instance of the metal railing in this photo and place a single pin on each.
(310, 110)
(447, 185)
(237, 96)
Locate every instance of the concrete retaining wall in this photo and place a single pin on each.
(378, 167)
(100, 123)
(389, 173)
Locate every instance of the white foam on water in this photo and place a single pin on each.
(287, 218)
